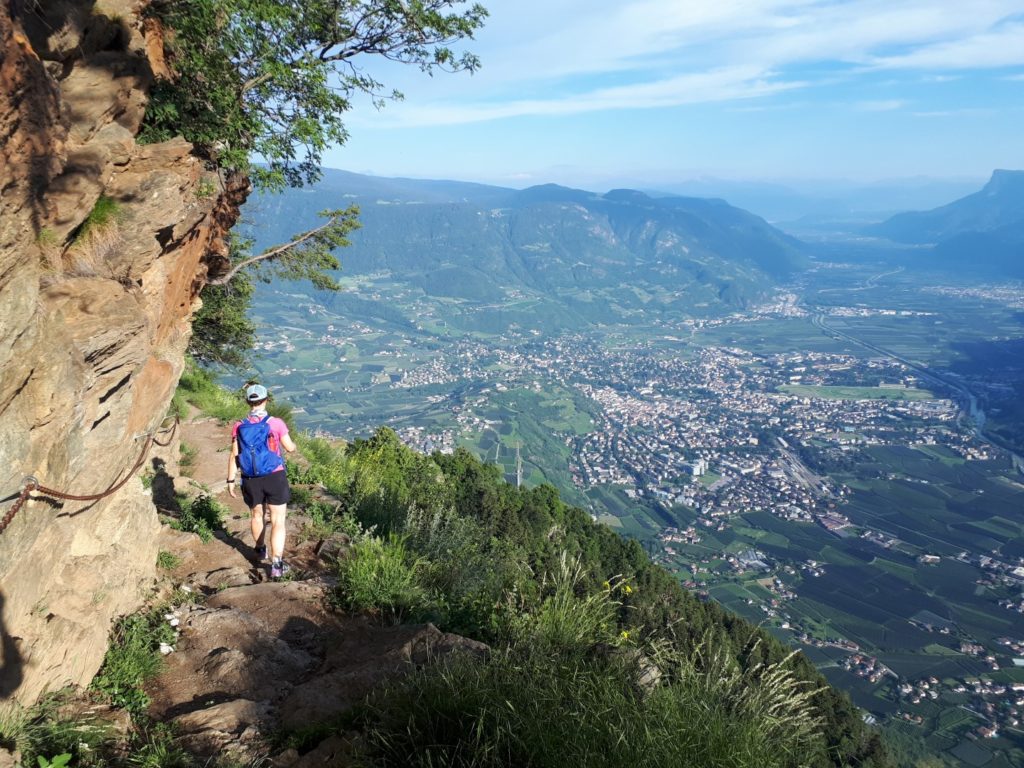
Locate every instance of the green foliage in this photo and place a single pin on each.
(202, 516)
(380, 575)
(205, 188)
(167, 560)
(565, 621)
(60, 761)
(133, 658)
(308, 256)
(327, 519)
(328, 465)
(241, 92)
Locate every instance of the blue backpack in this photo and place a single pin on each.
(255, 458)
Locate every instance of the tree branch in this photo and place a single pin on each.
(274, 252)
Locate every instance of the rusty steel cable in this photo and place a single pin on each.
(30, 485)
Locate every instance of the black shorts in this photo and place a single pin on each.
(268, 489)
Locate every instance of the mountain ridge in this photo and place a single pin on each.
(1000, 203)
(550, 242)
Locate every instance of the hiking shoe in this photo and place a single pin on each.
(261, 553)
(279, 569)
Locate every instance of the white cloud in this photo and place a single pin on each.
(702, 87)
(1001, 47)
(882, 105)
(966, 112)
(545, 57)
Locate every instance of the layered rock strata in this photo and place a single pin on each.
(104, 246)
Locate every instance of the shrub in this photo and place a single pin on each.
(380, 576)
(201, 516)
(328, 465)
(463, 566)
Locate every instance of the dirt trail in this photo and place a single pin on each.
(257, 656)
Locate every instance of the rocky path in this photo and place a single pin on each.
(257, 657)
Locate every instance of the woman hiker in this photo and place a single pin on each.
(256, 443)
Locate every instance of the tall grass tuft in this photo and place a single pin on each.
(777, 706)
(568, 619)
(538, 709)
(380, 576)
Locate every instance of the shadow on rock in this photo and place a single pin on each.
(11, 664)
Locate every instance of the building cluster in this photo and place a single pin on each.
(868, 667)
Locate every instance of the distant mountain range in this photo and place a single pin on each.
(578, 252)
(813, 204)
(983, 231)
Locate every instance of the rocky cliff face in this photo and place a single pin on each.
(104, 246)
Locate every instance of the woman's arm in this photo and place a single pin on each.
(232, 466)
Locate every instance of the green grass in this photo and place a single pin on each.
(187, 459)
(133, 658)
(856, 393)
(47, 238)
(709, 478)
(167, 560)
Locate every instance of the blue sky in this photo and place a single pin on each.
(601, 93)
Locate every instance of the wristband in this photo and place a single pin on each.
(231, 481)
